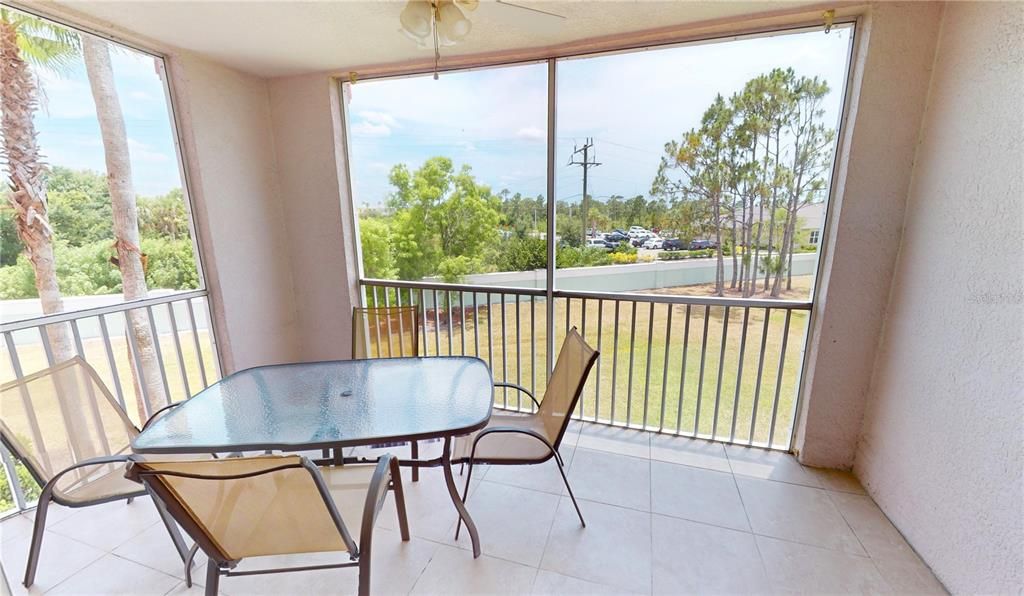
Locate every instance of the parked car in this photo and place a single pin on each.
(672, 244)
(598, 243)
(654, 243)
(702, 244)
(616, 237)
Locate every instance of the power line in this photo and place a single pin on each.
(586, 164)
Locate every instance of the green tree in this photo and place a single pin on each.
(164, 216)
(378, 251)
(439, 213)
(25, 39)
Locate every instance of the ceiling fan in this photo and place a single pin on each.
(442, 23)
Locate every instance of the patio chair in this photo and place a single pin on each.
(73, 437)
(273, 505)
(526, 439)
(387, 332)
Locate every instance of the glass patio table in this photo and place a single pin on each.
(330, 405)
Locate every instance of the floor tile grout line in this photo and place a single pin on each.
(743, 503)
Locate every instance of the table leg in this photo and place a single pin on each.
(449, 478)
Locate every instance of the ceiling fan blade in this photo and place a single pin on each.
(536, 11)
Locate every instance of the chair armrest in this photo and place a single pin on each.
(158, 413)
(518, 388)
(493, 430)
(92, 461)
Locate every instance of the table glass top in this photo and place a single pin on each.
(314, 405)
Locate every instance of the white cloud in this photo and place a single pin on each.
(379, 118)
(531, 133)
(369, 129)
(145, 153)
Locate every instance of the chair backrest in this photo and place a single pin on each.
(248, 506)
(386, 332)
(61, 416)
(575, 359)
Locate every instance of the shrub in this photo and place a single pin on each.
(569, 256)
(522, 254)
(621, 258)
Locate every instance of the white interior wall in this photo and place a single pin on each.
(224, 120)
(896, 48)
(942, 450)
(307, 114)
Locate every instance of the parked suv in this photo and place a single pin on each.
(598, 243)
(703, 244)
(672, 244)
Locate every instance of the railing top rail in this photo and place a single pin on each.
(432, 285)
(680, 299)
(625, 296)
(99, 310)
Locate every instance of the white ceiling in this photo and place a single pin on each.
(282, 38)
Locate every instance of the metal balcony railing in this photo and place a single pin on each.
(185, 353)
(723, 369)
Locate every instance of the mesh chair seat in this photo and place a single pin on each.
(105, 482)
(505, 447)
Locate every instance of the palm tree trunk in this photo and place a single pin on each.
(27, 195)
(126, 222)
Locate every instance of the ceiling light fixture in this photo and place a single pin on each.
(442, 21)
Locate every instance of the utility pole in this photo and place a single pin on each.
(586, 164)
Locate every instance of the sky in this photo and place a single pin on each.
(69, 133)
(632, 103)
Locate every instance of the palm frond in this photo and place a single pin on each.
(44, 44)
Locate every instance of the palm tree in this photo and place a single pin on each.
(96, 53)
(23, 40)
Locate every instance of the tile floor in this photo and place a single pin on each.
(665, 515)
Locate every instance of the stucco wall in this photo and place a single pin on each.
(896, 49)
(942, 450)
(315, 201)
(224, 119)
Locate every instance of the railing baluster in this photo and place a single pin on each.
(195, 338)
(778, 380)
(437, 326)
(490, 336)
(597, 381)
(177, 347)
(476, 327)
(462, 320)
(519, 362)
(721, 368)
(93, 405)
(448, 311)
(760, 369)
(504, 354)
(147, 408)
(159, 353)
(700, 378)
(580, 405)
(664, 368)
(12, 479)
(533, 350)
(112, 362)
(682, 372)
(739, 375)
(650, 350)
(615, 361)
(401, 324)
(387, 322)
(423, 323)
(26, 402)
(375, 317)
(629, 378)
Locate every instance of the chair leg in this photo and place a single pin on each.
(212, 578)
(37, 537)
(188, 565)
(465, 495)
(396, 485)
(565, 479)
(415, 456)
